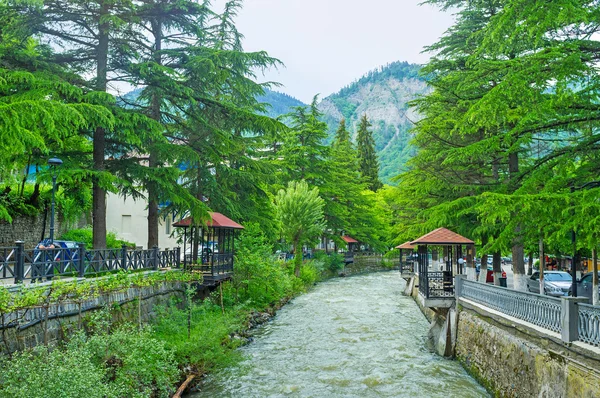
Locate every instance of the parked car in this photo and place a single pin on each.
(556, 283)
(584, 286)
(489, 278)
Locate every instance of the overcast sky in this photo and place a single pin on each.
(327, 44)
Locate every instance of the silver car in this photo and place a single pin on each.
(556, 283)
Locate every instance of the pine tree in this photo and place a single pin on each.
(367, 158)
(304, 154)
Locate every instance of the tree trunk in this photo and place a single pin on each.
(483, 269)
(530, 264)
(518, 251)
(471, 272)
(153, 160)
(595, 294)
(497, 266)
(99, 194)
(542, 264)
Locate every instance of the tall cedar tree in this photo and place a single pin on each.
(97, 37)
(41, 112)
(304, 154)
(367, 158)
(224, 126)
(350, 209)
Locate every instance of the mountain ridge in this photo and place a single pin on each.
(383, 95)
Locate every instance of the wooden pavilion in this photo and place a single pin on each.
(436, 285)
(407, 261)
(353, 246)
(210, 248)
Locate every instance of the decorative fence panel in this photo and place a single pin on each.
(589, 324)
(539, 310)
(18, 264)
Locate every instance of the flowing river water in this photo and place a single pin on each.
(349, 337)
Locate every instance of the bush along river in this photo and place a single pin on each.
(349, 337)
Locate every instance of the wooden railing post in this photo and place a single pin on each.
(19, 261)
(155, 257)
(81, 259)
(124, 257)
(178, 257)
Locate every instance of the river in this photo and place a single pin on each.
(348, 337)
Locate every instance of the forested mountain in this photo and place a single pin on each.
(383, 95)
(280, 103)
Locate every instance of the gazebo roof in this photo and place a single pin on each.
(406, 245)
(348, 239)
(218, 220)
(442, 236)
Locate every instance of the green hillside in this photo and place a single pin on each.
(383, 95)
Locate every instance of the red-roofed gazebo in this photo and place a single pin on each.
(211, 246)
(439, 283)
(407, 268)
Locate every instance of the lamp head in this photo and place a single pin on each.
(55, 162)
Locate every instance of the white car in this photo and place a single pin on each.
(556, 283)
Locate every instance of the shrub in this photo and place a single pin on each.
(84, 235)
(309, 274)
(42, 373)
(332, 262)
(126, 362)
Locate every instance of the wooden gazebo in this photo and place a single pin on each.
(353, 246)
(210, 248)
(407, 267)
(437, 285)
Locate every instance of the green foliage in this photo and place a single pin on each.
(332, 262)
(368, 164)
(125, 362)
(259, 280)
(309, 274)
(53, 373)
(300, 214)
(84, 235)
(209, 346)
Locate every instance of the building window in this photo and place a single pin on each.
(168, 225)
(126, 224)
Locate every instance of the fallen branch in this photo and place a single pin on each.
(184, 386)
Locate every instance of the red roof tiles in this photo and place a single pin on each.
(348, 239)
(442, 236)
(218, 220)
(406, 245)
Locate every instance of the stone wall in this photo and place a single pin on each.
(28, 229)
(37, 326)
(515, 361)
(367, 264)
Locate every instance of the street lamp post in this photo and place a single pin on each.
(54, 163)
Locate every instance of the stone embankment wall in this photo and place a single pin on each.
(515, 361)
(28, 229)
(39, 326)
(367, 264)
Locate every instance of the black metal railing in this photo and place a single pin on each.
(434, 284)
(22, 264)
(214, 264)
(408, 267)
